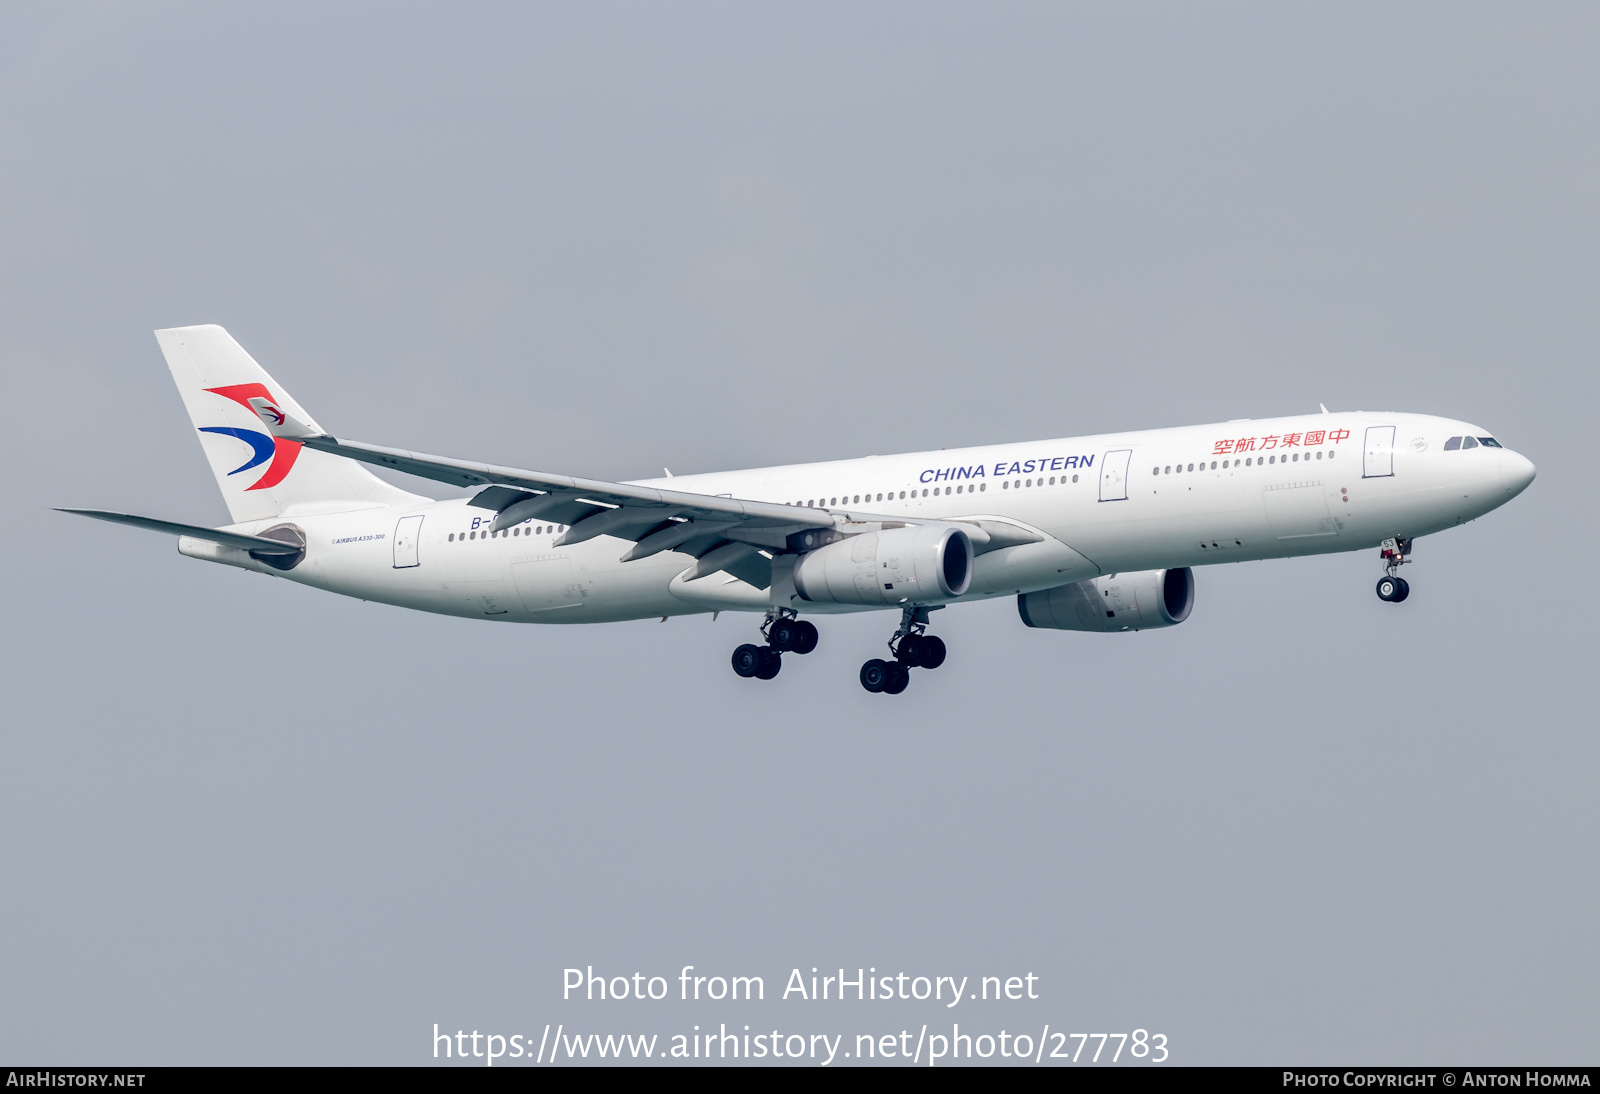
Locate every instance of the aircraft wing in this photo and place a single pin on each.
(722, 533)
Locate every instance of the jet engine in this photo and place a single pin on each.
(1118, 602)
(920, 563)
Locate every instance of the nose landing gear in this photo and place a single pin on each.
(912, 648)
(1392, 588)
(785, 633)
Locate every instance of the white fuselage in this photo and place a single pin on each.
(1104, 504)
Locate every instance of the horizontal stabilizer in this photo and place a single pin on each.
(258, 544)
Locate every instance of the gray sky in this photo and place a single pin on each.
(248, 822)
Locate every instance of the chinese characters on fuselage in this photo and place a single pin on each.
(1279, 440)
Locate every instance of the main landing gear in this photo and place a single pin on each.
(1392, 588)
(912, 648)
(785, 633)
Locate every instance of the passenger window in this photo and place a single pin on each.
(1074, 478)
(1490, 442)
(1453, 444)
(1213, 465)
(1469, 442)
(983, 487)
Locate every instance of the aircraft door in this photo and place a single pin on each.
(1378, 453)
(1114, 474)
(407, 535)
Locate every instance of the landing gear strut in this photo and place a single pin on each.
(912, 647)
(785, 632)
(1391, 587)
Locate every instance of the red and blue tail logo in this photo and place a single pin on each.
(280, 450)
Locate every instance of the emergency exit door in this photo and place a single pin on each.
(1114, 474)
(406, 535)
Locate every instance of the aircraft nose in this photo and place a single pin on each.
(1516, 471)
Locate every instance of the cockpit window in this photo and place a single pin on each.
(1452, 444)
(1469, 442)
(1489, 442)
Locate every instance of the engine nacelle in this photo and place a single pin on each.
(1118, 602)
(920, 563)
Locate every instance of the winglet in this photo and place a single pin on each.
(281, 422)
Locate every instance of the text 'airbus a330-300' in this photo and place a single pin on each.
(1094, 533)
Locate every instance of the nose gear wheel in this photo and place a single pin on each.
(1392, 588)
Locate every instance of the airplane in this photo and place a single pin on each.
(1100, 533)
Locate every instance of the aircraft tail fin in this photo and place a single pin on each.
(262, 473)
